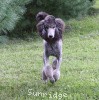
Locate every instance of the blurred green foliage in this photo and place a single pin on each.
(12, 10)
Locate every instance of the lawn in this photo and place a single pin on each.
(21, 64)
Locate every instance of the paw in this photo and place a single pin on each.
(52, 80)
(56, 74)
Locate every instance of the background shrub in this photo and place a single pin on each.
(12, 10)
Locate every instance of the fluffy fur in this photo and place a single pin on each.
(51, 73)
(48, 74)
(51, 21)
(56, 71)
(51, 29)
(40, 16)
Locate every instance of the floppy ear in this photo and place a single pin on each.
(60, 25)
(41, 29)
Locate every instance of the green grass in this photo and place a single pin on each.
(21, 64)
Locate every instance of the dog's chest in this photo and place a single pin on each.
(52, 50)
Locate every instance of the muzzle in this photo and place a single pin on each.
(51, 33)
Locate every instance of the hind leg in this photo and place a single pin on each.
(54, 64)
(56, 70)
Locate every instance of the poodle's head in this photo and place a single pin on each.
(50, 25)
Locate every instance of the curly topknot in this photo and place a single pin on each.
(40, 16)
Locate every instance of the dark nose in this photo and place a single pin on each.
(50, 36)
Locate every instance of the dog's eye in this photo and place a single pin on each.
(53, 26)
(46, 27)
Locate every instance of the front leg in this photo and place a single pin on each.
(46, 63)
(59, 57)
(56, 72)
(59, 62)
(45, 59)
(47, 70)
(45, 55)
